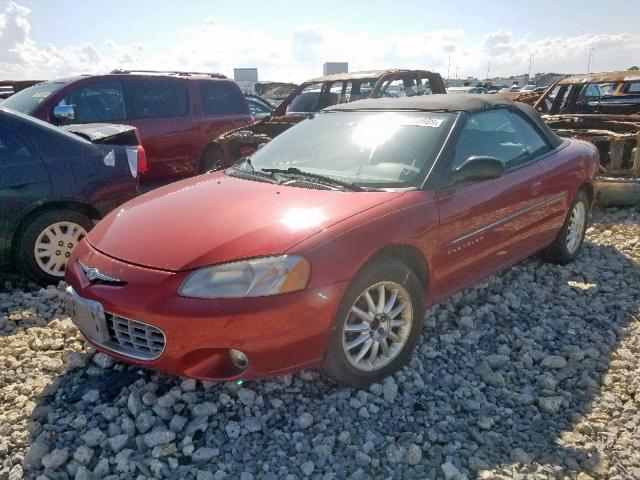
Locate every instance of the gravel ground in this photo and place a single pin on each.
(532, 374)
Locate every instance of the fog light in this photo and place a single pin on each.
(239, 359)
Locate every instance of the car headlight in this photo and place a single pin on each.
(257, 277)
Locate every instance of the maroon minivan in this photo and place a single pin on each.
(176, 113)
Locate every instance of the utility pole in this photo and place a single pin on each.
(449, 69)
(530, 62)
(488, 68)
(456, 72)
(589, 62)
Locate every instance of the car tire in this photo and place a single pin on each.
(44, 232)
(567, 244)
(397, 327)
(211, 159)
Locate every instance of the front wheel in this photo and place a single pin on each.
(567, 244)
(377, 325)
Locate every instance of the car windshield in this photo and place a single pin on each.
(368, 149)
(27, 100)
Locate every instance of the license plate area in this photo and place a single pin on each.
(88, 316)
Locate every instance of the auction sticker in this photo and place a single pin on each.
(423, 122)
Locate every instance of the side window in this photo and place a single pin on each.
(556, 100)
(634, 87)
(591, 92)
(424, 86)
(307, 100)
(257, 108)
(13, 150)
(358, 90)
(97, 102)
(221, 98)
(400, 88)
(501, 134)
(155, 99)
(534, 143)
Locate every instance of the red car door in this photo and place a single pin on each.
(487, 225)
(160, 109)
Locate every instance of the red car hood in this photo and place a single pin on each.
(216, 218)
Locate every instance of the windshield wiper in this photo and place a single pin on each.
(313, 176)
(238, 169)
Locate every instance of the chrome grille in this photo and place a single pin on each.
(133, 338)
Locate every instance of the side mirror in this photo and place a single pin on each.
(478, 168)
(64, 113)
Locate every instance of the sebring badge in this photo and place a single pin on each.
(94, 275)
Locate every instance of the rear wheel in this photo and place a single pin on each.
(567, 244)
(377, 326)
(46, 243)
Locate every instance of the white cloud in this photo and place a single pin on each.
(14, 32)
(214, 46)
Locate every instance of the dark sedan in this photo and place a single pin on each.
(55, 184)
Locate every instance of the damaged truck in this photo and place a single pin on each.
(604, 109)
(314, 95)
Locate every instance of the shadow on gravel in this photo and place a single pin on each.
(503, 370)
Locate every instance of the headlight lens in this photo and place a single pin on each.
(249, 278)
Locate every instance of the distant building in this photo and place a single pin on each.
(245, 75)
(329, 68)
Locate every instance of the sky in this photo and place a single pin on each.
(290, 40)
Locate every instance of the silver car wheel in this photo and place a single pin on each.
(576, 226)
(377, 326)
(54, 245)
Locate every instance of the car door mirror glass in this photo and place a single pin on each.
(478, 168)
(64, 113)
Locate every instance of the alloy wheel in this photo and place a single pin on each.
(377, 326)
(576, 225)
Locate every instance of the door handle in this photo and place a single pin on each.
(536, 188)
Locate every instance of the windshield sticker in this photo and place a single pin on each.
(422, 122)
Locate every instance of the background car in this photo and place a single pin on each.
(331, 240)
(5, 92)
(176, 113)
(318, 93)
(260, 107)
(55, 184)
(467, 90)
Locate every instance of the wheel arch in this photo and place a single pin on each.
(590, 189)
(410, 256)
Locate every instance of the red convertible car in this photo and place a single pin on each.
(325, 246)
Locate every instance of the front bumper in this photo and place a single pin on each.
(279, 334)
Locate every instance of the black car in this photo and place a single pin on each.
(260, 107)
(55, 184)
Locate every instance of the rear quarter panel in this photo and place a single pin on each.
(574, 165)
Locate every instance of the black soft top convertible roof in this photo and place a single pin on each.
(448, 103)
